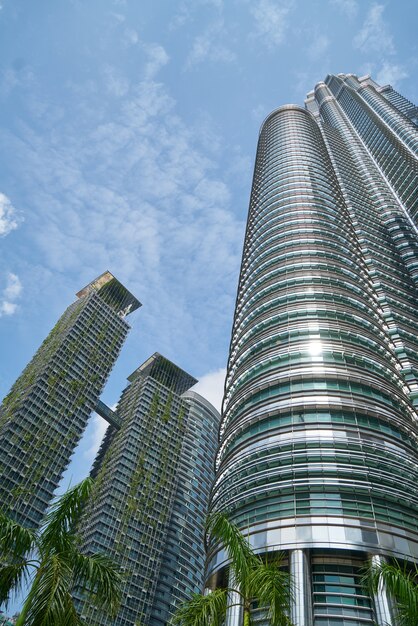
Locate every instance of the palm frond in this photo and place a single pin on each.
(100, 577)
(60, 567)
(14, 577)
(49, 599)
(15, 540)
(239, 551)
(271, 586)
(62, 518)
(202, 610)
(401, 583)
(71, 617)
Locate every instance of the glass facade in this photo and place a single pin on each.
(318, 453)
(339, 598)
(46, 411)
(153, 476)
(183, 563)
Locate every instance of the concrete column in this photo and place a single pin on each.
(234, 614)
(382, 603)
(301, 611)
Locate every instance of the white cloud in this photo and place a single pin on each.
(348, 7)
(374, 38)
(130, 37)
(218, 4)
(115, 83)
(271, 21)
(391, 74)
(259, 112)
(9, 294)
(210, 46)
(318, 47)
(374, 35)
(138, 190)
(211, 387)
(7, 308)
(303, 83)
(9, 219)
(187, 9)
(157, 58)
(149, 100)
(18, 75)
(13, 288)
(94, 436)
(119, 17)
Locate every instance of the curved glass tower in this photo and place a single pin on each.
(318, 456)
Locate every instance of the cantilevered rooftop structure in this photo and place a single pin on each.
(46, 411)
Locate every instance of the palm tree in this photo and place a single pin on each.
(254, 579)
(401, 582)
(50, 562)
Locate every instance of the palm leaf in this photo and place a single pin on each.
(49, 599)
(60, 522)
(71, 617)
(14, 577)
(202, 610)
(401, 583)
(101, 578)
(60, 568)
(239, 551)
(271, 586)
(15, 540)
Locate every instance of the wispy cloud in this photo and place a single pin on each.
(138, 190)
(374, 35)
(187, 9)
(157, 58)
(130, 37)
(119, 17)
(17, 75)
(10, 293)
(116, 84)
(211, 387)
(391, 74)
(260, 112)
(9, 218)
(376, 40)
(271, 21)
(348, 7)
(13, 288)
(318, 46)
(210, 46)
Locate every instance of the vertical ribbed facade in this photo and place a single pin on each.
(153, 477)
(45, 413)
(318, 455)
(183, 563)
(387, 132)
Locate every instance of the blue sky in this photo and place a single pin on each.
(128, 131)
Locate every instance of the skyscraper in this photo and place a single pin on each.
(183, 563)
(153, 476)
(318, 455)
(46, 411)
